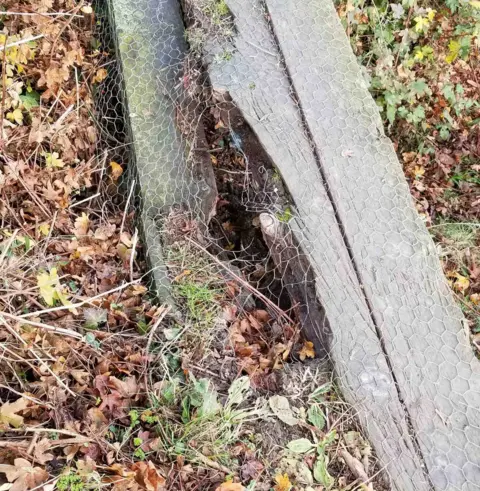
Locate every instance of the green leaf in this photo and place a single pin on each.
(419, 87)
(282, 410)
(316, 417)
(319, 393)
(92, 340)
(391, 112)
(302, 445)
(30, 99)
(453, 51)
(449, 93)
(320, 472)
(237, 391)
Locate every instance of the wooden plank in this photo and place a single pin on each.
(151, 49)
(254, 79)
(414, 311)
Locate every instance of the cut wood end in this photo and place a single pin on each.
(269, 224)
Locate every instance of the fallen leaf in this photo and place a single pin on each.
(283, 483)
(23, 475)
(82, 224)
(307, 351)
(40, 451)
(418, 171)
(50, 288)
(116, 169)
(9, 410)
(251, 469)
(127, 388)
(281, 408)
(461, 283)
(230, 486)
(148, 476)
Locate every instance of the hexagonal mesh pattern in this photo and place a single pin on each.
(325, 189)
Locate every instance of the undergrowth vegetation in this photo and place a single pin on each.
(421, 60)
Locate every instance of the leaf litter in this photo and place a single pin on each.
(100, 387)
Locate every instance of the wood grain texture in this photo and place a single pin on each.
(255, 80)
(414, 311)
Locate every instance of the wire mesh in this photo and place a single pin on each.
(318, 211)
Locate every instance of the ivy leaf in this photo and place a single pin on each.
(52, 160)
(391, 112)
(419, 87)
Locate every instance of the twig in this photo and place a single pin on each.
(214, 465)
(44, 14)
(71, 306)
(32, 444)
(132, 254)
(132, 187)
(7, 246)
(73, 205)
(4, 85)
(22, 41)
(78, 92)
(59, 121)
(47, 327)
(36, 401)
(28, 429)
(353, 464)
(166, 310)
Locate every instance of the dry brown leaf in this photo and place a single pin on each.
(9, 410)
(23, 475)
(127, 388)
(40, 451)
(230, 486)
(307, 351)
(82, 224)
(148, 476)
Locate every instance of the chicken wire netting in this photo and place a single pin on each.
(313, 207)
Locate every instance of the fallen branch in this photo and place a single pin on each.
(22, 41)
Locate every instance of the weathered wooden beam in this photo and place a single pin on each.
(398, 342)
(151, 50)
(437, 374)
(255, 80)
